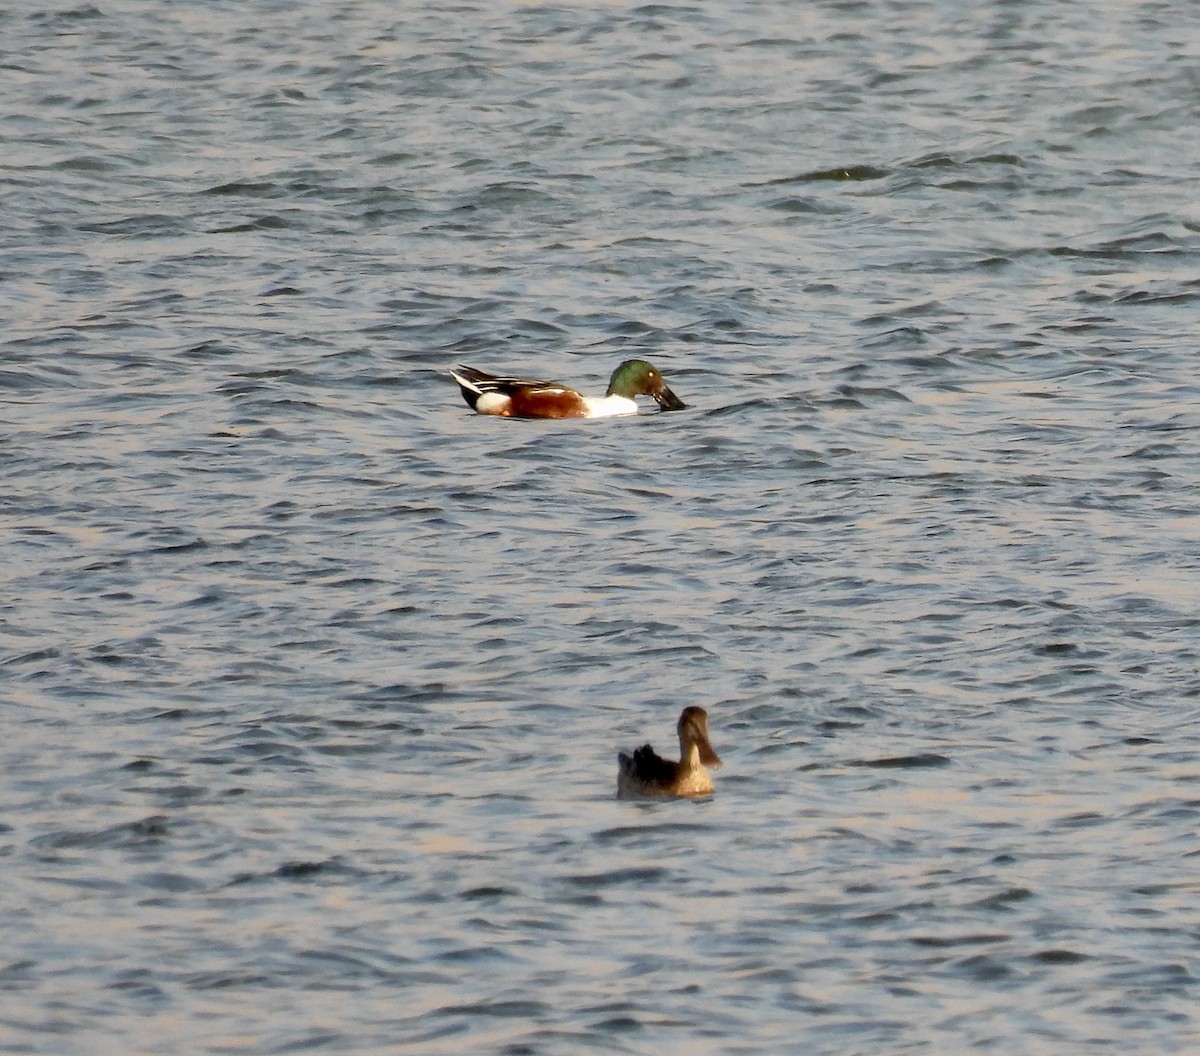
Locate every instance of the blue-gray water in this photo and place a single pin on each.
(312, 682)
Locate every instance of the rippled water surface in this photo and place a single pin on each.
(313, 681)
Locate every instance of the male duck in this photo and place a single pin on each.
(519, 398)
(645, 773)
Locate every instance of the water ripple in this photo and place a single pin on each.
(315, 680)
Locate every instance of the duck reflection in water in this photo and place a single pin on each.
(646, 773)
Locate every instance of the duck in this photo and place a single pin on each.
(523, 398)
(646, 773)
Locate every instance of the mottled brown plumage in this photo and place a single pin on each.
(646, 773)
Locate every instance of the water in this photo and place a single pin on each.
(313, 681)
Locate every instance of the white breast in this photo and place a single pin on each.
(608, 406)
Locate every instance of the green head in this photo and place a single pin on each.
(636, 377)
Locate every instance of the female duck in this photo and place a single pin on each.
(646, 773)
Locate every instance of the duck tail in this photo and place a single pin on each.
(468, 379)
